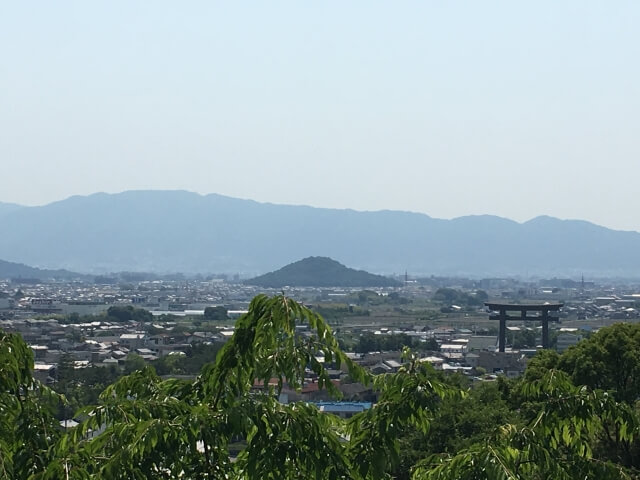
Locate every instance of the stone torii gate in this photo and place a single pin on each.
(543, 310)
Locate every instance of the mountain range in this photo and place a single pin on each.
(21, 271)
(178, 231)
(8, 208)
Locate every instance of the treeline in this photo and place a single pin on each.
(451, 296)
(371, 298)
(129, 313)
(114, 314)
(334, 311)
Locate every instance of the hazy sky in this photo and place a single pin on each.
(448, 108)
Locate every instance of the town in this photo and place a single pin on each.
(124, 324)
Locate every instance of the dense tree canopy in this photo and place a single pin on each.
(449, 296)
(125, 313)
(215, 313)
(320, 272)
(609, 360)
(27, 424)
(424, 425)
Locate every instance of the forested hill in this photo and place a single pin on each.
(320, 272)
(177, 231)
(19, 270)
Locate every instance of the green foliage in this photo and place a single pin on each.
(451, 296)
(133, 362)
(525, 338)
(334, 311)
(189, 364)
(542, 362)
(156, 429)
(128, 313)
(609, 360)
(556, 444)
(457, 424)
(65, 373)
(27, 424)
(115, 313)
(143, 427)
(215, 313)
(292, 441)
(320, 272)
(408, 399)
(81, 386)
(467, 420)
(265, 345)
(371, 298)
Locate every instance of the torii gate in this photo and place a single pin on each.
(542, 308)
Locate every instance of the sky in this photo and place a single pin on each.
(516, 109)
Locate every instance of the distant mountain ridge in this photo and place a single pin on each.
(11, 270)
(320, 272)
(177, 231)
(6, 208)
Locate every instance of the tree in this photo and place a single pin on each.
(27, 423)
(369, 342)
(190, 363)
(608, 360)
(65, 372)
(215, 313)
(542, 362)
(133, 362)
(459, 423)
(481, 296)
(126, 313)
(430, 344)
(446, 295)
(556, 444)
(526, 338)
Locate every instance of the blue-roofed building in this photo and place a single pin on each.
(343, 409)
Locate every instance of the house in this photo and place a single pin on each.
(471, 359)
(44, 372)
(133, 341)
(483, 342)
(435, 362)
(146, 353)
(512, 364)
(453, 350)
